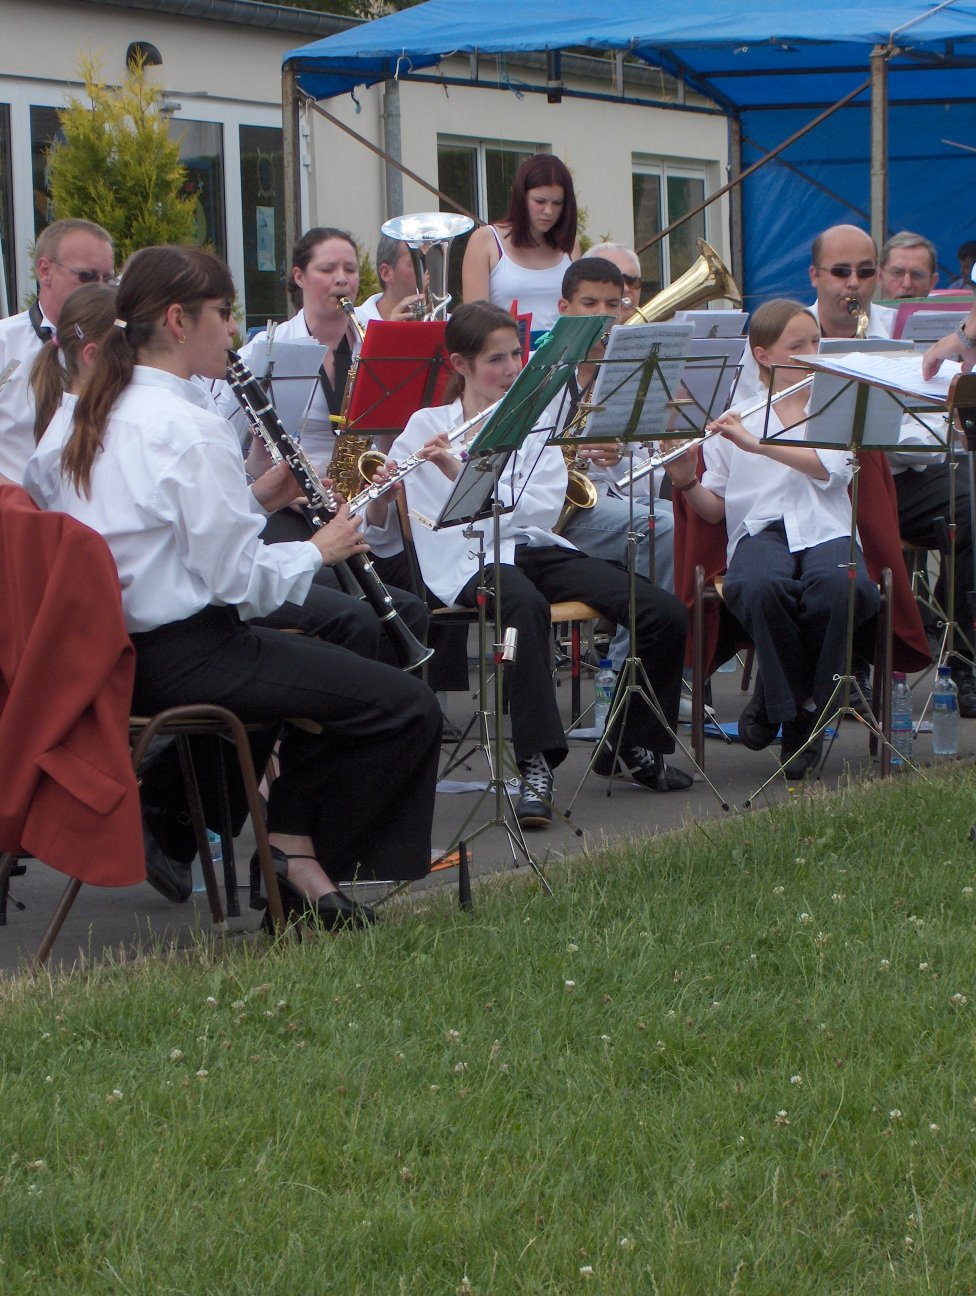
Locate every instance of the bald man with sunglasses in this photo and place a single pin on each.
(67, 253)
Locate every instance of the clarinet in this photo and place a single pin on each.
(357, 570)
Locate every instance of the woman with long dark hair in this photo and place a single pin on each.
(539, 567)
(524, 256)
(149, 465)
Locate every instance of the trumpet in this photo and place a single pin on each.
(357, 571)
(659, 460)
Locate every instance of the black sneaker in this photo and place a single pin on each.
(533, 809)
(645, 768)
(965, 680)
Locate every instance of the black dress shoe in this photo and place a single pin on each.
(966, 687)
(646, 768)
(332, 911)
(756, 730)
(796, 732)
(171, 878)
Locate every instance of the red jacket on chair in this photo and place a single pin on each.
(68, 793)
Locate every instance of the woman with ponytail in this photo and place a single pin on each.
(60, 367)
(148, 463)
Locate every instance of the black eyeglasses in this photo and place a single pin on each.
(225, 312)
(845, 271)
(87, 276)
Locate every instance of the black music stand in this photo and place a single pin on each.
(633, 400)
(476, 496)
(862, 410)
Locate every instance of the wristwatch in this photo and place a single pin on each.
(968, 342)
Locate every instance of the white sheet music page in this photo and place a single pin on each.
(901, 371)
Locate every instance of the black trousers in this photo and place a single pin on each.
(794, 608)
(923, 497)
(363, 788)
(332, 614)
(551, 574)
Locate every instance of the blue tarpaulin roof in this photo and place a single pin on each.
(773, 66)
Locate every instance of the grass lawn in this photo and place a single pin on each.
(738, 1059)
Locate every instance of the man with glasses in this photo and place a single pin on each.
(67, 254)
(844, 272)
(845, 266)
(907, 267)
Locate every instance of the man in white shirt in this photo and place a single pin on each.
(399, 298)
(844, 269)
(66, 254)
(908, 266)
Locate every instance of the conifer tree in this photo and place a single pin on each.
(117, 165)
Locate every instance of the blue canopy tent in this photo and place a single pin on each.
(891, 158)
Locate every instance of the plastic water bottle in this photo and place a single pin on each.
(216, 854)
(604, 682)
(901, 719)
(945, 715)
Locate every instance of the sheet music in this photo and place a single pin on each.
(294, 373)
(636, 396)
(901, 371)
(708, 378)
(714, 323)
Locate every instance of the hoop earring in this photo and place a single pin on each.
(181, 339)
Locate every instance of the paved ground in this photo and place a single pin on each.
(103, 922)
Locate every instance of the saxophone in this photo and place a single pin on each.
(350, 448)
(855, 308)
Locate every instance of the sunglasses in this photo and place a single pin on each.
(845, 271)
(87, 276)
(632, 281)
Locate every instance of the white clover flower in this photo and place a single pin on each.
(495, 1050)
(958, 1000)
(49, 1079)
(586, 1271)
(176, 1055)
(434, 1088)
(570, 985)
(211, 1001)
(452, 1036)
(626, 1244)
(460, 1067)
(923, 967)
(238, 1005)
(572, 949)
(934, 1128)
(779, 890)
(967, 891)
(114, 1096)
(895, 1114)
(805, 918)
(464, 1288)
(781, 1118)
(837, 897)
(796, 1079)
(202, 1073)
(37, 1165)
(884, 965)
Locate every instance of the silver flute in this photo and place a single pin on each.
(660, 460)
(376, 491)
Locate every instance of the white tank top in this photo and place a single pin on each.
(537, 291)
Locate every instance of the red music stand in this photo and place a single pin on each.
(403, 367)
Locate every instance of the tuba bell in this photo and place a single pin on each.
(704, 281)
(428, 236)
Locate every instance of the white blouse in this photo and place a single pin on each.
(534, 480)
(759, 491)
(168, 493)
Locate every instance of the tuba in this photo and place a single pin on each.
(704, 281)
(428, 236)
